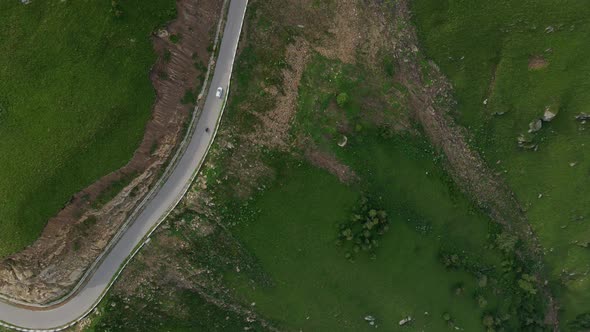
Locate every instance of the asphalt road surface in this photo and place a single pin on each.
(90, 294)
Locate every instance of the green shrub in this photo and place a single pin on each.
(342, 99)
(362, 232)
(175, 38)
(188, 98)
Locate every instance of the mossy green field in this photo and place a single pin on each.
(75, 96)
(316, 288)
(485, 48)
(292, 227)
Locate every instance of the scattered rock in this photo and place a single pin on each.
(369, 318)
(549, 29)
(526, 142)
(405, 321)
(583, 116)
(535, 125)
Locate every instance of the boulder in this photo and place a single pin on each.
(163, 33)
(343, 141)
(405, 321)
(526, 142)
(583, 116)
(549, 114)
(535, 125)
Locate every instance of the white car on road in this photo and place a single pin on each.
(219, 92)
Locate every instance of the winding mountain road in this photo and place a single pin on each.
(95, 286)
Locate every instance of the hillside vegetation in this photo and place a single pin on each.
(75, 96)
(284, 228)
(513, 63)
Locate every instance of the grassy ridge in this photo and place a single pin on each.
(74, 99)
(485, 48)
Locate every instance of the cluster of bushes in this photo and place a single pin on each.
(581, 323)
(515, 279)
(363, 230)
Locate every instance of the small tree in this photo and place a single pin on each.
(363, 230)
(342, 99)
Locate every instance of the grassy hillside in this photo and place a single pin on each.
(75, 95)
(509, 61)
(293, 225)
(284, 256)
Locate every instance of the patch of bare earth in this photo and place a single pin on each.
(349, 35)
(344, 32)
(537, 63)
(50, 267)
(330, 163)
(465, 165)
(273, 128)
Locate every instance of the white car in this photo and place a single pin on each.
(219, 92)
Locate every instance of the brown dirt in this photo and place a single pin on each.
(46, 270)
(345, 33)
(537, 63)
(350, 37)
(274, 126)
(330, 163)
(465, 165)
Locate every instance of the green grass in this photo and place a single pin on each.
(182, 310)
(500, 37)
(295, 227)
(299, 277)
(292, 226)
(75, 96)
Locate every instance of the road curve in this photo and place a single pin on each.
(97, 284)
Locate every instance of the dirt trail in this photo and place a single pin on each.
(430, 104)
(73, 239)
